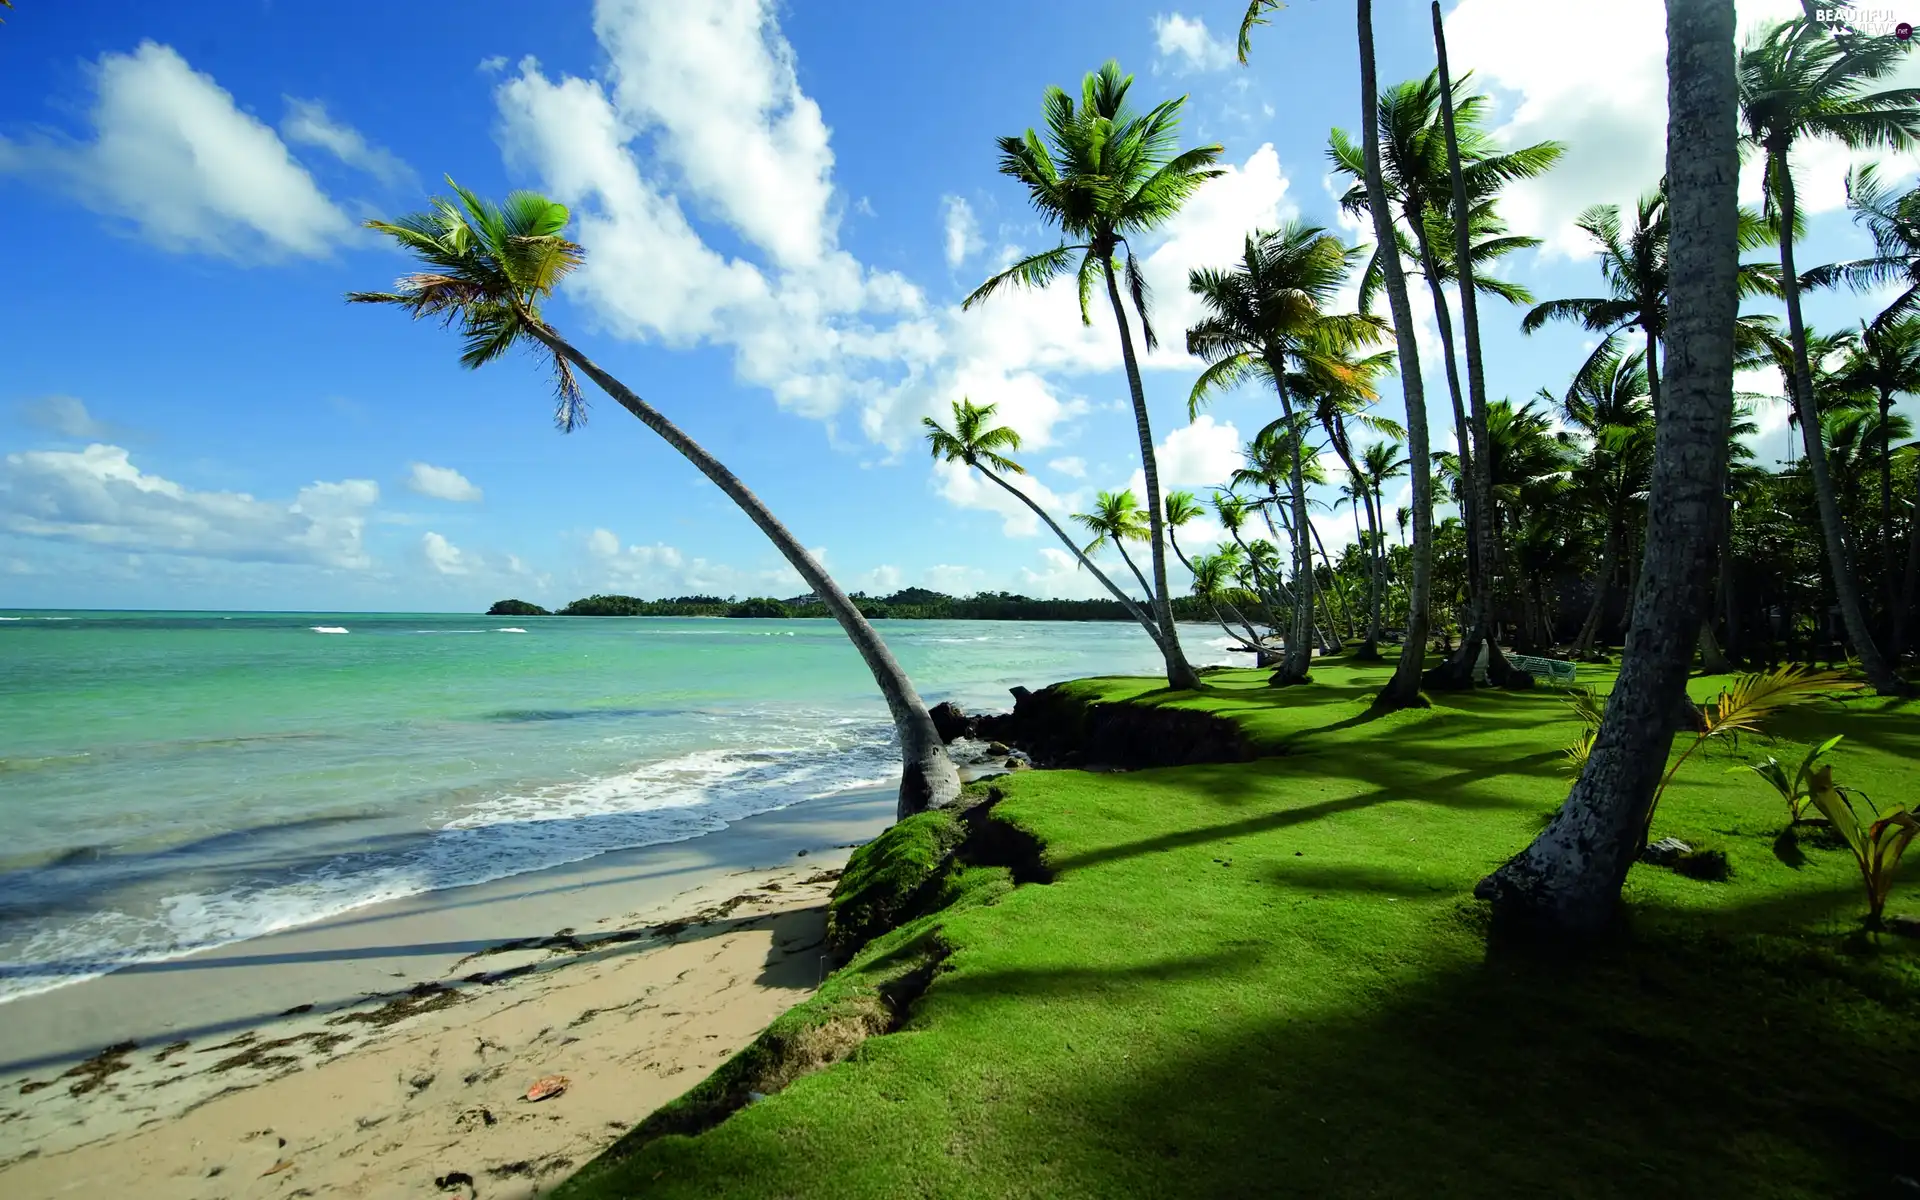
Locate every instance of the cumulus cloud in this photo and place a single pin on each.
(1188, 44)
(308, 124)
(1592, 74)
(1203, 454)
(445, 557)
(175, 157)
(65, 416)
(827, 335)
(883, 580)
(964, 487)
(662, 570)
(442, 483)
(962, 229)
(1072, 466)
(98, 497)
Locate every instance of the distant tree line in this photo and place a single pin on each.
(908, 604)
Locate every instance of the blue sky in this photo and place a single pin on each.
(783, 206)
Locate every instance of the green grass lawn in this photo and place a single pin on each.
(1269, 978)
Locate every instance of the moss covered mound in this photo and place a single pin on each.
(1267, 978)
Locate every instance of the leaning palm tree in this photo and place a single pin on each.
(1798, 84)
(976, 441)
(487, 268)
(1266, 320)
(1105, 173)
(1403, 690)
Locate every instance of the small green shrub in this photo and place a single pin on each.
(1793, 788)
(1877, 843)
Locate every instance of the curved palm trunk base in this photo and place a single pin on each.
(1286, 676)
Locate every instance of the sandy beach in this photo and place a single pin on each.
(388, 1052)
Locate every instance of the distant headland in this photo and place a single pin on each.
(909, 604)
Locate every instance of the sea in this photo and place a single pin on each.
(171, 781)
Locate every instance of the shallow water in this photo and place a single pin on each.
(170, 781)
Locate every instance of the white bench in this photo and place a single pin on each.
(1553, 670)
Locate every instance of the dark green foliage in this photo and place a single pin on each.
(633, 606)
(910, 604)
(516, 608)
(759, 606)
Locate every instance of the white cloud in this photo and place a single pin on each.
(883, 580)
(662, 570)
(1201, 455)
(308, 124)
(1592, 74)
(962, 229)
(173, 155)
(701, 77)
(65, 416)
(442, 483)
(953, 579)
(98, 497)
(1061, 577)
(493, 64)
(445, 557)
(1176, 36)
(1072, 466)
(963, 487)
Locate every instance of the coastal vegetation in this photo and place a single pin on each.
(907, 604)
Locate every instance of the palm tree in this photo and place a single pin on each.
(1797, 83)
(976, 441)
(1117, 518)
(1104, 173)
(487, 268)
(1403, 690)
(1266, 320)
(1567, 883)
(1430, 134)
(1886, 362)
(1894, 223)
(1379, 462)
(1609, 408)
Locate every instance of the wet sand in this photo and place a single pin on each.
(387, 1052)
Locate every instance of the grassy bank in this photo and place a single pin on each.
(1268, 978)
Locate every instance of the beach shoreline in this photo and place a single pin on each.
(382, 1050)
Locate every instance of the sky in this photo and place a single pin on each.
(782, 205)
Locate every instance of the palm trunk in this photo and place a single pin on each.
(1568, 881)
(1886, 513)
(1462, 427)
(1133, 609)
(1128, 559)
(1910, 587)
(1483, 551)
(1846, 585)
(1299, 662)
(927, 777)
(1180, 672)
(1609, 559)
(1403, 690)
(1339, 588)
(1653, 371)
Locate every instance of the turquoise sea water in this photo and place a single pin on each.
(170, 781)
